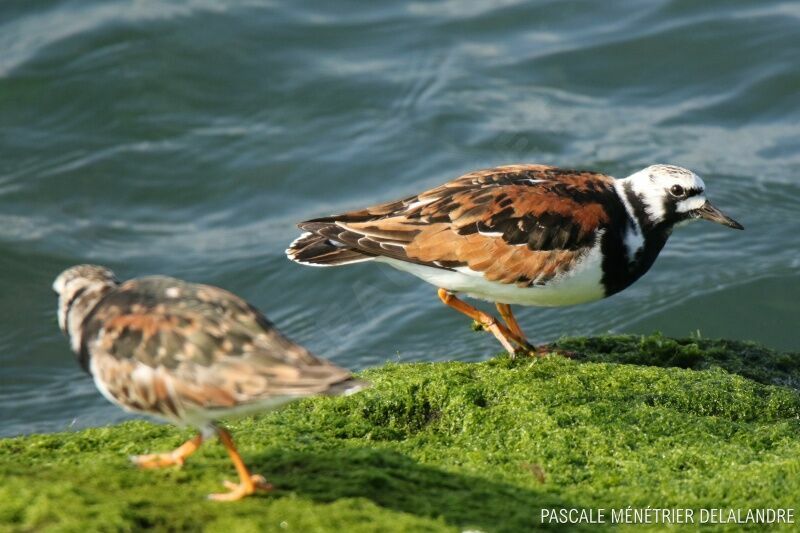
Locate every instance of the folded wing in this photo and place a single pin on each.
(167, 345)
(521, 224)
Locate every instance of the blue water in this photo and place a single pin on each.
(187, 138)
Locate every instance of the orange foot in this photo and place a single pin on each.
(174, 458)
(248, 483)
(239, 490)
(157, 460)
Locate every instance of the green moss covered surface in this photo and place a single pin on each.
(627, 421)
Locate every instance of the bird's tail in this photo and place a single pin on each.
(316, 250)
(347, 387)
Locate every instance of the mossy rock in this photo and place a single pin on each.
(624, 421)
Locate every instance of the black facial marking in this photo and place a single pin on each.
(619, 270)
(671, 214)
(638, 206)
(69, 305)
(670, 206)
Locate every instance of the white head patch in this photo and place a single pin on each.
(79, 289)
(659, 185)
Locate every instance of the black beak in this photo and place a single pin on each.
(709, 212)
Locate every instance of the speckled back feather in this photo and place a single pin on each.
(186, 351)
(521, 224)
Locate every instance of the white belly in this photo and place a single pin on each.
(580, 285)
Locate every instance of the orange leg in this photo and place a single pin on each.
(511, 321)
(174, 458)
(501, 332)
(513, 325)
(248, 483)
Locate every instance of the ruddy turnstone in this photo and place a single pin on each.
(187, 353)
(518, 234)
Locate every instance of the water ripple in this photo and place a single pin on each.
(188, 138)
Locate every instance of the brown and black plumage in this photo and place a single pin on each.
(188, 353)
(518, 234)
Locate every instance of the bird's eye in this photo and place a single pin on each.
(676, 190)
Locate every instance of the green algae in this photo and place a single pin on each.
(626, 421)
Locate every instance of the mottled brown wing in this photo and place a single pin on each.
(519, 224)
(165, 344)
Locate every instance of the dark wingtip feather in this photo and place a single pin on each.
(316, 250)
